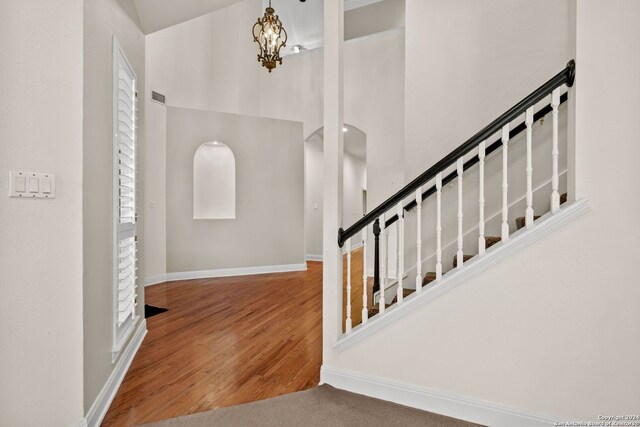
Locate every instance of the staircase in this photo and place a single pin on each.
(431, 275)
(474, 153)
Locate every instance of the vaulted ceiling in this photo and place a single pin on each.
(156, 15)
(303, 20)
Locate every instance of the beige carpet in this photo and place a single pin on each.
(319, 407)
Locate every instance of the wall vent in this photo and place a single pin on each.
(158, 97)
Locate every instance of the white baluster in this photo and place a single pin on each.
(481, 240)
(555, 196)
(400, 257)
(365, 287)
(419, 239)
(460, 254)
(529, 211)
(438, 226)
(505, 183)
(383, 266)
(385, 278)
(348, 322)
(398, 244)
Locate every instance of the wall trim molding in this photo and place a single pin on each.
(311, 257)
(100, 406)
(154, 280)
(224, 272)
(433, 400)
(80, 423)
(517, 242)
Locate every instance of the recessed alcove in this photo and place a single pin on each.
(214, 182)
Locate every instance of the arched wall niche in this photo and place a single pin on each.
(214, 182)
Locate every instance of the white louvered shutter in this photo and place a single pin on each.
(125, 141)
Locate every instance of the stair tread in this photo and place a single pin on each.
(465, 258)
(405, 292)
(521, 221)
(375, 310)
(431, 276)
(491, 240)
(428, 278)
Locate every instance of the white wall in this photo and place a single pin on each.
(468, 62)
(268, 228)
(353, 182)
(154, 204)
(103, 20)
(41, 240)
(209, 63)
(374, 18)
(554, 329)
(313, 198)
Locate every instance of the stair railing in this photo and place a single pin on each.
(392, 210)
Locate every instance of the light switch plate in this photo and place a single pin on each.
(32, 185)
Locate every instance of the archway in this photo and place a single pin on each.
(354, 184)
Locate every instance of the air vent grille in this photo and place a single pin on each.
(158, 97)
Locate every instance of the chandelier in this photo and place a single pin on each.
(270, 35)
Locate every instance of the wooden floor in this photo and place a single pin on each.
(224, 342)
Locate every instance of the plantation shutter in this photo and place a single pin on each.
(125, 141)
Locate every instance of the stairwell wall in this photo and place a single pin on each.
(541, 185)
(553, 329)
(490, 55)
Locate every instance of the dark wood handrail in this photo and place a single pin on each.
(472, 161)
(566, 76)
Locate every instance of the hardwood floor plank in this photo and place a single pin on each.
(223, 342)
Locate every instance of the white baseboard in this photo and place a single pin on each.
(433, 400)
(224, 272)
(154, 280)
(518, 241)
(80, 423)
(100, 406)
(310, 257)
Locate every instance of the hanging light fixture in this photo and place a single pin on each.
(270, 35)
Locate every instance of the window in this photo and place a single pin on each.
(214, 182)
(124, 198)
